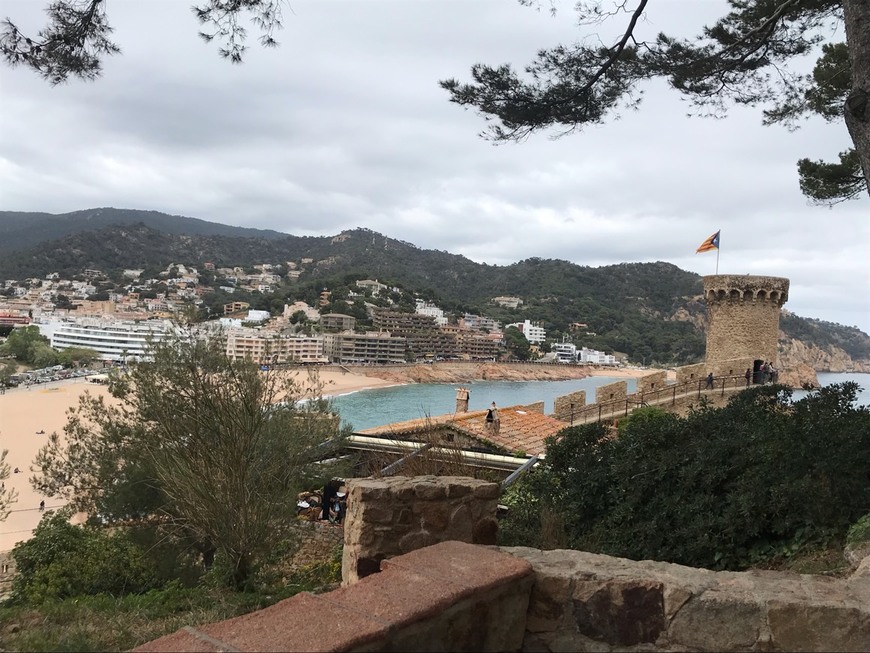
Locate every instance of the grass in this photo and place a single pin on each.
(104, 623)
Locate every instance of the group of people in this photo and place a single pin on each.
(328, 505)
(767, 373)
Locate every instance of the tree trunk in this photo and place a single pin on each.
(857, 106)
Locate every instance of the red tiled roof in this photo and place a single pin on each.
(520, 429)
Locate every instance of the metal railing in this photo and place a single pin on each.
(666, 395)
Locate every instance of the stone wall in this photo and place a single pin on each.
(691, 372)
(391, 516)
(650, 382)
(743, 316)
(588, 602)
(537, 407)
(565, 407)
(617, 391)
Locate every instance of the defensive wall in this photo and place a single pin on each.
(458, 596)
(614, 400)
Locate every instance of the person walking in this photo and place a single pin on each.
(42, 505)
(748, 376)
(709, 385)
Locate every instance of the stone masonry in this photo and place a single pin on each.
(743, 316)
(388, 517)
(588, 602)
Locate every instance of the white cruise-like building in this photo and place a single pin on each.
(114, 341)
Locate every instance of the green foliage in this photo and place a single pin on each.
(828, 183)
(62, 560)
(200, 440)
(25, 344)
(742, 58)
(517, 344)
(859, 531)
(119, 623)
(723, 487)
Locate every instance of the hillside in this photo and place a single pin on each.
(23, 230)
(650, 311)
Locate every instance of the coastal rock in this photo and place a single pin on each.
(793, 353)
(465, 372)
(798, 376)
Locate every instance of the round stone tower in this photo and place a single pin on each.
(743, 318)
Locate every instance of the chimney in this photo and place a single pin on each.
(462, 400)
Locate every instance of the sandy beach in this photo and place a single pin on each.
(24, 412)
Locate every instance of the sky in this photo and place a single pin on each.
(344, 126)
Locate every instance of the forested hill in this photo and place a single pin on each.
(21, 230)
(650, 311)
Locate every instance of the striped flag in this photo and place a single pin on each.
(711, 243)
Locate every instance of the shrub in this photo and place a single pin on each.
(723, 487)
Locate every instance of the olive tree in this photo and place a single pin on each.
(199, 441)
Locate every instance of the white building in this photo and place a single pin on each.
(258, 316)
(114, 341)
(595, 357)
(534, 334)
(428, 308)
(565, 352)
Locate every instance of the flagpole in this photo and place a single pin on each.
(717, 260)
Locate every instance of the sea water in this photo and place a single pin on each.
(380, 406)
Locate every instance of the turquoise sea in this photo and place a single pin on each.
(369, 408)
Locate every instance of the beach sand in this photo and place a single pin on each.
(23, 412)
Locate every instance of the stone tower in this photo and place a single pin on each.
(742, 321)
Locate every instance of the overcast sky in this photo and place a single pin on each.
(344, 126)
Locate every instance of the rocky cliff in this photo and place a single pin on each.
(794, 353)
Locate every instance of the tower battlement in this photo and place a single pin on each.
(743, 288)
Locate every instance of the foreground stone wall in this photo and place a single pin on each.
(388, 517)
(588, 602)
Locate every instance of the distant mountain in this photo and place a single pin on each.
(21, 230)
(650, 311)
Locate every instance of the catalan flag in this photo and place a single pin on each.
(711, 243)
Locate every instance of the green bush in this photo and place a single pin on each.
(724, 487)
(62, 560)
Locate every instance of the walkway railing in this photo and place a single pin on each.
(663, 396)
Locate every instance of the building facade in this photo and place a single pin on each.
(113, 341)
(273, 348)
(354, 348)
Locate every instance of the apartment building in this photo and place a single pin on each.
(274, 348)
(337, 321)
(114, 341)
(349, 347)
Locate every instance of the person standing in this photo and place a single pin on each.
(709, 385)
(493, 421)
(748, 376)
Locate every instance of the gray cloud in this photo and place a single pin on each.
(345, 126)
